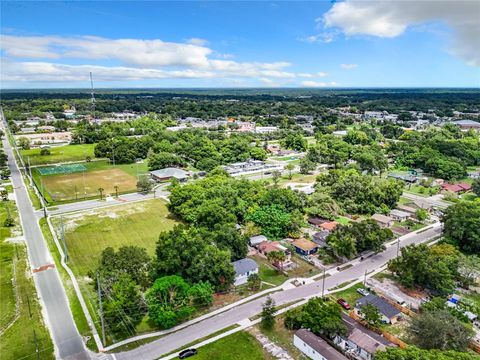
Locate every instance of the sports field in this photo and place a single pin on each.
(59, 154)
(82, 180)
(88, 233)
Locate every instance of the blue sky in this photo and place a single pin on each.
(240, 44)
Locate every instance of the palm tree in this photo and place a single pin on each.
(276, 177)
(101, 190)
(116, 190)
(277, 258)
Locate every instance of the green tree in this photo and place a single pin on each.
(44, 152)
(476, 186)
(100, 191)
(277, 258)
(254, 282)
(23, 143)
(258, 153)
(268, 313)
(276, 176)
(461, 226)
(421, 214)
(144, 184)
(123, 305)
(323, 317)
(306, 165)
(414, 353)
(445, 332)
(371, 315)
(289, 167)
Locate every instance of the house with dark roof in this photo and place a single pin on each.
(320, 238)
(243, 269)
(360, 342)
(387, 311)
(314, 347)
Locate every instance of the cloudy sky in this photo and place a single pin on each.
(350, 43)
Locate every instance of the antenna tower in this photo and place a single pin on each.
(93, 98)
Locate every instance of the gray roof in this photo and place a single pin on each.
(383, 306)
(243, 266)
(467, 122)
(320, 237)
(399, 213)
(381, 218)
(254, 240)
(319, 345)
(170, 172)
(354, 325)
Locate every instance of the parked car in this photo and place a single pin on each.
(187, 353)
(363, 291)
(343, 303)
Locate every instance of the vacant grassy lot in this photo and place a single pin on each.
(80, 185)
(238, 346)
(59, 154)
(17, 339)
(88, 233)
(282, 337)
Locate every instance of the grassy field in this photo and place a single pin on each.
(99, 174)
(59, 154)
(18, 340)
(88, 233)
(239, 346)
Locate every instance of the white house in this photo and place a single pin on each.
(243, 269)
(314, 347)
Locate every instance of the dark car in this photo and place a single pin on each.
(187, 353)
(344, 304)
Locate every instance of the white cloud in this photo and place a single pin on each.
(312, 75)
(309, 83)
(49, 58)
(197, 41)
(348, 66)
(389, 19)
(323, 37)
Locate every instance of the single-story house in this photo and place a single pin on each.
(243, 269)
(399, 215)
(314, 347)
(474, 174)
(320, 238)
(406, 208)
(304, 246)
(422, 204)
(388, 312)
(457, 188)
(407, 178)
(255, 240)
(169, 173)
(467, 124)
(329, 225)
(267, 247)
(382, 220)
(359, 341)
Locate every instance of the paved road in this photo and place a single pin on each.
(68, 342)
(218, 322)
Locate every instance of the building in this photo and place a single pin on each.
(265, 129)
(267, 247)
(304, 246)
(255, 240)
(359, 342)
(57, 138)
(169, 173)
(382, 220)
(328, 225)
(314, 347)
(457, 188)
(243, 269)
(408, 178)
(407, 208)
(399, 215)
(315, 221)
(320, 238)
(387, 311)
(467, 124)
(474, 174)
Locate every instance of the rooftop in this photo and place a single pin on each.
(383, 306)
(170, 172)
(243, 266)
(304, 244)
(382, 218)
(319, 345)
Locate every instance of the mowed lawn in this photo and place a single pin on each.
(59, 154)
(88, 233)
(99, 174)
(239, 346)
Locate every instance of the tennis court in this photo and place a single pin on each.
(61, 169)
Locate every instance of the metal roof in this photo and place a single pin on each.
(170, 172)
(319, 345)
(383, 306)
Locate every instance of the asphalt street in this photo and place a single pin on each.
(176, 340)
(68, 342)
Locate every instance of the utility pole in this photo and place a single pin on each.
(29, 309)
(63, 238)
(93, 98)
(30, 169)
(365, 278)
(42, 200)
(100, 308)
(398, 246)
(323, 284)
(84, 187)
